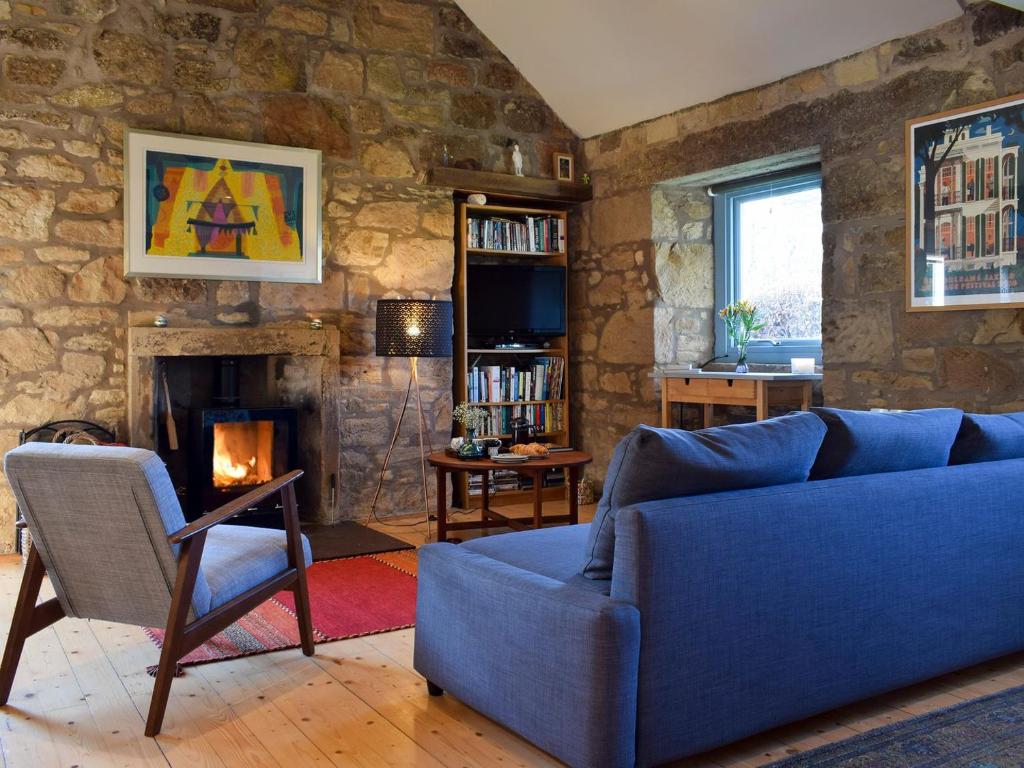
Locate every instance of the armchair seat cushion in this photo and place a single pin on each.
(238, 557)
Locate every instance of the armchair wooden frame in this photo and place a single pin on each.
(180, 635)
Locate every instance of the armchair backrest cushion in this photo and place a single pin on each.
(99, 517)
(651, 464)
(867, 443)
(989, 437)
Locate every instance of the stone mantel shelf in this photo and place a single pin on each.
(147, 341)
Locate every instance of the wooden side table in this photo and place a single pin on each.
(711, 388)
(573, 461)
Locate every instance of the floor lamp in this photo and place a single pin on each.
(412, 328)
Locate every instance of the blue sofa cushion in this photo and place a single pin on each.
(865, 443)
(650, 464)
(988, 437)
(551, 552)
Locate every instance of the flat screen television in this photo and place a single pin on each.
(514, 300)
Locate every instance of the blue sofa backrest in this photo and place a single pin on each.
(764, 606)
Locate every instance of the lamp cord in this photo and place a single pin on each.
(372, 514)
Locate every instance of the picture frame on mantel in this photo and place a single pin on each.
(221, 210)
(964, 242)
(564, 166)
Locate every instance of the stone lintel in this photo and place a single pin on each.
(182, 342)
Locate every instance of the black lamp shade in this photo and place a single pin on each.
(414, 328)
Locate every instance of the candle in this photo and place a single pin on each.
(801, 365)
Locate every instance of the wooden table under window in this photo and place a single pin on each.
(757, 390)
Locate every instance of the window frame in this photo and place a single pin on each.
(726, 199)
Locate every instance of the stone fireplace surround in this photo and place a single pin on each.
(306, 365)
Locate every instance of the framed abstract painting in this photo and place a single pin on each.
(221, 210)
(964, 244)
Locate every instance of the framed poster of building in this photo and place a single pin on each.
(964, 248)
(223, 210)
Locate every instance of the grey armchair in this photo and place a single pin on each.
(108, 530)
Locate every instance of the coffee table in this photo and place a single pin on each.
(444, 464)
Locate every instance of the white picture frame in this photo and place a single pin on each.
(264, 222)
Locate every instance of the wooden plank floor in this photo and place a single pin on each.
(82, 692)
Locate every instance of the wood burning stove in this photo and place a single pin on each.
(234, 449)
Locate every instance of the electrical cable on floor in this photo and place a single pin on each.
(451, 513)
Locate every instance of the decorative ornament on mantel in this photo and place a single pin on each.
(517, 160)
(160, 321)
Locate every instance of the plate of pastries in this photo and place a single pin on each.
(530, 450)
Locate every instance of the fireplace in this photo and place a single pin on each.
(182, 382)
(235, 450)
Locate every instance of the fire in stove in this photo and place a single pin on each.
(242, 453)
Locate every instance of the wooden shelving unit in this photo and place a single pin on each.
(466, 356)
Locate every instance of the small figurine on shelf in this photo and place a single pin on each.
(446, 157)
(517, 160)
(586, 179)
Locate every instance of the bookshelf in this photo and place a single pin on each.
(531, 381)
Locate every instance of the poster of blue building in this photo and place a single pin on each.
(963, 217)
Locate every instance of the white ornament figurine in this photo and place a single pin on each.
(517, 160)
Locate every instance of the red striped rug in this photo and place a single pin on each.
(349, 597)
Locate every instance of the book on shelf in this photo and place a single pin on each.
(546, 417)
(509, 480)
(540, 380)
(532, 234)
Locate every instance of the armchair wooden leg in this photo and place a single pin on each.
(28, 619)
(174, 634)
(296, 560)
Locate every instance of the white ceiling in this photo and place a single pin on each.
(605, 64)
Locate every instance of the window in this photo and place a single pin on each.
(946, 187)
(1009, 229)
(1009, 171)
(970, 238)
(945, 237)
(990, 233)
(970, 184)
(990, 178)
(768, 251)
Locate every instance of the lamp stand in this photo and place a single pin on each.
(414, 380)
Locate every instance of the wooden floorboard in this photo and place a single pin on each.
(82, 692)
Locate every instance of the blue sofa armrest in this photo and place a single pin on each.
(555, 663)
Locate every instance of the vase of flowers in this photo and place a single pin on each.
(741, 323)
(472, 419)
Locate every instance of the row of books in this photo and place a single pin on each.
(509, 480)
(535, 234)
(542, 380)
(547, 417)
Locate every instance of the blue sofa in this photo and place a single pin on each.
(731, 612)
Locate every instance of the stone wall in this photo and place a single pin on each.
(875, 353)
(684, 264)
(378, 85)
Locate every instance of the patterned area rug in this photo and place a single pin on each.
(984, 733)
(350, 597)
